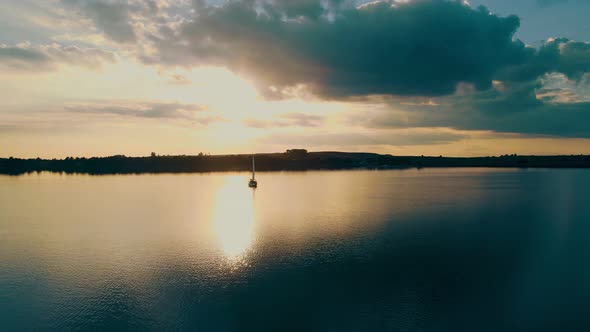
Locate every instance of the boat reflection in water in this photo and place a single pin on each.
(234, 218)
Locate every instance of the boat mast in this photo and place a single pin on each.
(253, 169)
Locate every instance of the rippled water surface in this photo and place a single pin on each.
(415, 250)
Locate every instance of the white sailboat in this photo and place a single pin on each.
(253, 183)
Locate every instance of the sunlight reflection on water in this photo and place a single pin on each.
(234, 218)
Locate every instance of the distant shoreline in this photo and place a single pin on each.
(292, 160)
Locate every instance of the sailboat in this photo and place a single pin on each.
(253, 183)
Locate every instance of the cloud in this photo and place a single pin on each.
(111, 17)
(514, 110)
(396, 137)
(556, 88)
(555, 56)
(338, 50)
(286, 120)
(575, 60)
(19, 56)
(177, 79)
(150, 110)
(433, 63)
(126, 21)
(335, 48)
(46, 57)
(302, 120)
(545, 95)
(7, 129)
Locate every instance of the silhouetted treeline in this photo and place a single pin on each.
(290, 160)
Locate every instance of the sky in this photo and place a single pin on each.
(404, 77)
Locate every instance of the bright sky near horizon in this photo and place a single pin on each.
(412, 77)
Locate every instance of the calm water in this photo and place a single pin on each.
(415, 250)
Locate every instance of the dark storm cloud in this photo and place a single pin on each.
(46, 57)
(518, 109)
(515, 110)
(519, 103)
(338, 50)
(556, 56)
(575, 60)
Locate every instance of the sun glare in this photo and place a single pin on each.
(234, 218)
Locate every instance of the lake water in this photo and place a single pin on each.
(411, 250)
